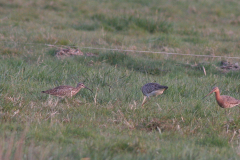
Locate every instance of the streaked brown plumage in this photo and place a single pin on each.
(66, 91)
(223, 100)
(152, 89)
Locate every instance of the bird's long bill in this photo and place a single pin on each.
(88, 89)
(207, 94)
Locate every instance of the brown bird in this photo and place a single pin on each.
(223, 100)
(152, 89)
(65, 91)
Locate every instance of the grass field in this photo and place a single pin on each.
(110, 122)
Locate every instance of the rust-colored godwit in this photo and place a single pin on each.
(152, 89)
(66, 91)
(223, 100)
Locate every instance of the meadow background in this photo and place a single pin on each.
(110, 122)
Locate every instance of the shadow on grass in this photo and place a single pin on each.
(154, 67)
(137, 64)
(212, 141)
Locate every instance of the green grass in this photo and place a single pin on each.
(110, 122)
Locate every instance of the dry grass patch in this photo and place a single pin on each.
(10, 51)
(66, 52)
(227, 66)
(160, 125)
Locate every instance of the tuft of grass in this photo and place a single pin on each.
(51, 40)
(122, 23)
(165, 40)
(10, 5)
(195, 40)
(87, 26)
(10, 51)
(212, 141)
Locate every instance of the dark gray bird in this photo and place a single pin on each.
(152, 89)
(66, 91)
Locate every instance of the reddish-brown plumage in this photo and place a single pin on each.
(223, 100)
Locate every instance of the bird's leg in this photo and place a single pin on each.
(57, 102)
(238, 111)
(60, 99)
(67, 102)
(144, 99)
(229, 119)
(227, 125)
(229, 112)
(226, 114)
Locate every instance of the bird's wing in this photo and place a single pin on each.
(161, 87)
(231, 100)
(60, 90)
(63, 87)
(149, 87)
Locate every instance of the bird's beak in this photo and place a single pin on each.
(207, 94)
(88, 89)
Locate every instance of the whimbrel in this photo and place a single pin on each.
(152, 89)
(223, 100)
(66, 91)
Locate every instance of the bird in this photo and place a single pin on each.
(66, 91)
(224, 101)
(152, 89)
